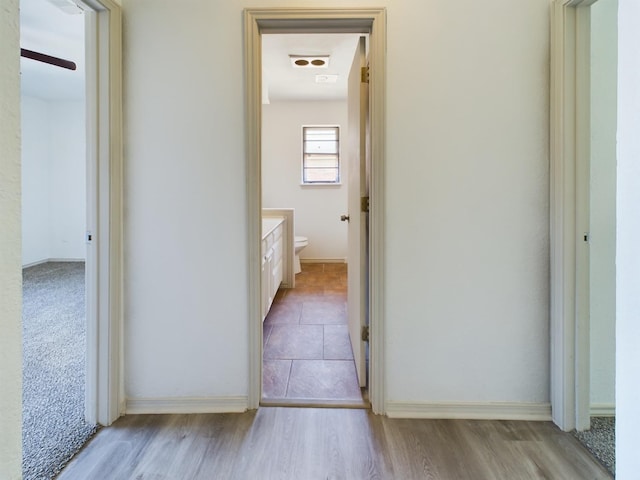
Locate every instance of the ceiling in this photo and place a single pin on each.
(282, 82)
(48, 29)
(45, 28)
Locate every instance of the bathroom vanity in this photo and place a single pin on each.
(272, 259)
(277, 259)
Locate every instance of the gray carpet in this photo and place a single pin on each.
(600, 440)
(53, 319)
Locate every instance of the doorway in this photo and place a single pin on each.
(583, 181)
(102, 236)
(306, 155)
(364, 21)
(53, 228)
(596, 270)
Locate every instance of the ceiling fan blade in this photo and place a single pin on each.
(41, 57)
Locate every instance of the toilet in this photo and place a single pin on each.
(299, 244)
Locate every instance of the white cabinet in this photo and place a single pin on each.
(272, 262)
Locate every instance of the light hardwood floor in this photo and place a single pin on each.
(317, 443)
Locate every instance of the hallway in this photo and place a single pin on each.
(307, 352)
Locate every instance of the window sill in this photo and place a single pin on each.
(324, 185)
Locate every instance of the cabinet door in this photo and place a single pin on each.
(269, 278)
(276, 267)
(265, 286)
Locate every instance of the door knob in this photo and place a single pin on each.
(344, 218)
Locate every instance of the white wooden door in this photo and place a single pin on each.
(358, 97)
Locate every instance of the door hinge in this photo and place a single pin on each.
(364, 204)
(364, 74)
(365, 333)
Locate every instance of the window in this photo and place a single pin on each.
(320, 155)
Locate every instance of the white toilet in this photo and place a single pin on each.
(299, 244)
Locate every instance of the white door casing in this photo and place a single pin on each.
(104, 389)
(569, 216)
(370, 21)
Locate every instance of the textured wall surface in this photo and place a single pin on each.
(10, 261)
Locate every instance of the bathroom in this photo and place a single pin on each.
(285, 111)
(317, 207)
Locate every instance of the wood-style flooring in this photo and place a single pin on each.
(321, 443)
(306, 328)
(307, 352)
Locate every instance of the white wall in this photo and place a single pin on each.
(36, 170)
(317, 208)
(53, 180)
(466, 243)
(602, 247)
(628, 252)
(467, 292)
(10, 261)
(68, 179)
(185, 211)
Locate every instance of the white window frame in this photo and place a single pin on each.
(302, 157)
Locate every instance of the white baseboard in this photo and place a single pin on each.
(471, 411)
(33, 264)
(603, 410)
(183, 405)
(323, 260)
(47, 260)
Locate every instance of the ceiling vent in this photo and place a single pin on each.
(326, 78)
(309, 61)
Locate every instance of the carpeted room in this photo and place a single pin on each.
(54, 351)
(53, 240)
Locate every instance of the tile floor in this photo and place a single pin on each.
(307, 352)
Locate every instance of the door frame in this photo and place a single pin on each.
(104, 384)
(316, 20)
(569, 215)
